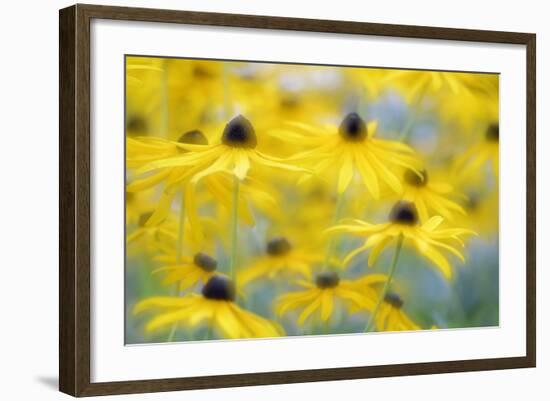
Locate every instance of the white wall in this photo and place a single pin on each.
(28, 171)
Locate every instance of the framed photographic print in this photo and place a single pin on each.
(250, 200)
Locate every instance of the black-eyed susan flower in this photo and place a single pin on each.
(215, 307)
(485, 151)
(321, 297)
(189, 272)
(236, 154)
(138, 204)
(430, 198)
(392, 317)
(352, 148)
(416, 83)
(143, 150)
(281, 259)
(482, 211)
(427, 239)
(152, 239)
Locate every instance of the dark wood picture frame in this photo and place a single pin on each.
(74, 199)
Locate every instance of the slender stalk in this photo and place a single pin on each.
(326, 326)
(234, 234)
(209, 332)
(411, 120)
(413, 117)
(332, 242)
(181, 228)
(172, 333)
(387, 284)
(228, 107)
(179, 254)
(164, 118)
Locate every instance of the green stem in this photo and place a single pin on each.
(387, 284)
(411, 120)
(181, 228)
(164, 118)
(234, 234)
(228, 108)
(413, 116)
(209, 332)
(172, 333)
(179, 254)
(332, 242)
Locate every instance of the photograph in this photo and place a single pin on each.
(268, 199)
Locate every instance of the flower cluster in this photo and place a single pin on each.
(266, 200)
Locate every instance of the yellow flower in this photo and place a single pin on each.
(391, 317)
(482, 211)
(189, 272)
(371, 79)
(350, 148)
(137, 205)
(427, 239)
(151, 239)
(470, 108)
(322, 296)
(417, 83)
(430, 198)
(142, 151)
(215, 306)
(236, 154)
(487, 150)
(281, 259)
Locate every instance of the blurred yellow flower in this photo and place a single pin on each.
(235, 154)
(215, 307)
(487, 150)
(152, 239)
(391, 317)
(352, 147)
(416, 83)
(189, 272)
(430, 198)
(281, 259)
(322, 296)
(425, 238)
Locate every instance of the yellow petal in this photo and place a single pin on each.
(326, 304)
(436, 257)
(346, 174)
(371, 128)
(309, 310)
(242, 164)
(367, 174)
(432, 223)
(377, 249)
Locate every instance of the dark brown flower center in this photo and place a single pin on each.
(136, 125)
(219, 288)
(289, 102)
(393, 299)
(239, 133)
(194, 137)
(416, 180)
(205, 262)
(353, 128)
(492, 133)
(278, 246)
(404, 212)
(143, 218)
(202, 72)
(327, 280)
(473, 201)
